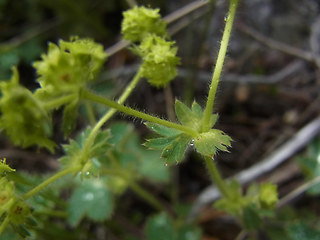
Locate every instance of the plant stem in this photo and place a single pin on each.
(146, 196)
(296, 192)
(59, 101)
(129, 111)
(53, 178)
(92, 118)
(4, 224)
(219, 65)
(216, 177)
(136, 188)
(111, 112)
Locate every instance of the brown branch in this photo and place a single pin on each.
(169, 19)
(271, 43)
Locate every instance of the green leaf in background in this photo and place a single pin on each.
(161, 227)
(301, 231)
(92, 199)
(310, 165)
(135, 158)
(13, 54)
(89, 160)
(251, 218)
(189, 232)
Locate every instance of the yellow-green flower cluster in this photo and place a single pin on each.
(67, 67)
(22, 116)
(141, 21)
(159, 60)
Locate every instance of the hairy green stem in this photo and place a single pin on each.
(219, 65)
(50, 180)
(216, 177)
(59, 101)
(111, 112)
(91, 116)
(146, 196)
(129, 111)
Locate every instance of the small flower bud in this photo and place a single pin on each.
(140, 21)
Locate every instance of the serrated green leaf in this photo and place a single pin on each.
(213, 119)
(197, 109)
(159, 143)
(70, 116)
(184, 114)
(174, 153)
(162, 130)
(208, 143)
(160, 227)
(92, 199)
(87, 158)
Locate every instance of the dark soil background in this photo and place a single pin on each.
(270, 87)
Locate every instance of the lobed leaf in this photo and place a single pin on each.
(162, 130)
(159, 143)
(174, 152)
(197, 109)
(136, 159)
(184, 114)
(208, 143)
(92, 199)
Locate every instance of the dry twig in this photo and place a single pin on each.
(287, 150)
